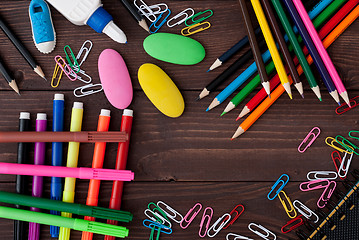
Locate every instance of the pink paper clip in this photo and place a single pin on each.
(310, 134)
(313, 185)
(236, 214)
(327, 193)
(293, 224)
(192, 217)
(66, 69)
(345, 108)
(204, 217)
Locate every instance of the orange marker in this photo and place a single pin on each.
(97, 162)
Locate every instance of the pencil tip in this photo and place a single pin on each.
(320, 99)
(223, 114)
(290, 96)
(269, 96)
(238, 118)
(198, 98)
(45, 79)
(339, 104)
(207, 109)
(232, 139)
(302, 95)
(208, 70)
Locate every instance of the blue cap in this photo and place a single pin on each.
(99, 19)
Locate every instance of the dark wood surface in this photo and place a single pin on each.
(189, 159)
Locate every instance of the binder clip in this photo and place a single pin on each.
(236, 236)
(320, 175)
(222, 222)
(84, 50)
(205, 217)
(86, 90)
(310, 134)
(54, 76)
(64, 67)
(345, 108)
(194, 214)
(183, 13)
(305, 211)
(170, 212)
(193, 21)
(198, 27)
(237, 214)
(313, 185)
(327, 193)
(154, 24)
(145, 10)
(266, 231)
(285, 205)
(74, 64)
(280, 180)
(292, 224)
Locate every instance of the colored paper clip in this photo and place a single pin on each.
(84, 50)
(187, 30)
(236, 236)
(159, 227)
(319, 175)
(313, 185)
(73, 64)
(293, 224)
(153, 25)
(285, 205)
(280, 188)
(347, 144)
(152, 234)
(145, 10)
(344, 165)
(86, 89)
(266, 231)
(195, 213)
(82, 72)
(351, 134)
(205, 217)
(332, 144)
(234, 218)
(157, 218)
(310, 134)
(157, 210)
(305, 211)
(54, 75)
(192, 18)
(335, 158)
(170, 212)
(345, 108)
(64, 67)
(157, 8)
(327, 193)
(181, 14)
(216, 229)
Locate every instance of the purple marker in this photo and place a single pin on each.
(37, 182)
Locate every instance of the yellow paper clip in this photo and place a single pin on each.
(285, 205)
(56, 70)
(332, 144)
(186, 31)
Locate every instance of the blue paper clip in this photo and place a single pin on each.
(280, 188)
(200, 19)
(160, 227)
(153, 25)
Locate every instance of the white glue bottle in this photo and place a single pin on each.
(90, 12)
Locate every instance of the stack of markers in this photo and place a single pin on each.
(337, 16)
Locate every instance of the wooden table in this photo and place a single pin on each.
(190, 159)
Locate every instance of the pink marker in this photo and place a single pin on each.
(322, 52)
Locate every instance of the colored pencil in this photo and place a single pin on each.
(280, 90)
(313, 51)
(255, 47)
(10, 80)
(141, 21)
(322, 52)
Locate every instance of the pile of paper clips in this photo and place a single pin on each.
(159, 14)
(72, 69)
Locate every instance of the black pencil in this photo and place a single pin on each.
(21, 48)
(141, 21)
(8, 78)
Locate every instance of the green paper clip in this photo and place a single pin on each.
(347, 144)
(74, 65)
(200, 19)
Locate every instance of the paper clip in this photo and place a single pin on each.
(156, 209)
(149, 14)
(347, 165)
(205, 217)
(313, 185)
(346, 143)
(293, 224)
(332, 144)
(85, 50)
(183, 13)
(54, 75)
(74, 63)
(84, 90)
(237, 214)
(157, 8)
(187, 30)
(82, 72)
(216, 229)
(345, 108)
(153, 25)
(335, 159)
(268, 233)
(285, 205)
(173, 215)
(319, 175)
(327, 193)
(194, 214)
(160, 227)
(64, 67)
(280, 188)
(192, 18)
(310, 134)
(350, 134)
(153, 230)
(157, 218)
(305, 211)
(236, 236)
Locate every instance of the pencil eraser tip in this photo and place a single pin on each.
(24, 115)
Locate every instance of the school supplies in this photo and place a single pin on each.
(145, 10)
(313, 137)
(76, 224)
(174, 48)
(278, 185)
(170, 212)
(161, 90)
(21, 48)
(322, 52)
(22, 157)
(193, 212)
(319, 175)
(263, 233)
(183, 16)
(8, 78)
(43, 31)
(115, 79)
(141, 21)
(345, 108)
(156, 25)
(292, 224)
(75, 208)
(206, 217)
(329, 187)
(198, 17)
(236, 236)
(198, 27)
(287, 204)
(222, 221)
(305, 211)
(69, 72)
(37, 182)
(234, 215)
(68, 172)
(97, 162)
(255, 47)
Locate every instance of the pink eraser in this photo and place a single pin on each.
(115, 79)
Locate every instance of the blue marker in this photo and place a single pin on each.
(56, 157)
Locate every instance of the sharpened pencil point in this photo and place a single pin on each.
(208, 70)
(223, 114)
(238, 118)
(290, 96)
(339, 104)
(198, 98)
(320, 99)
(207, 109)
(302, 95)
(45, 79)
